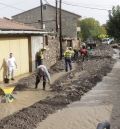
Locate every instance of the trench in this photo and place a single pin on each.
(98, 105)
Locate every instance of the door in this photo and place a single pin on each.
(19, 48)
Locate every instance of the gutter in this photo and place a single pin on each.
(23, 32)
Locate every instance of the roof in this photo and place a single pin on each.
(8, 24)
(65, 11)
(50, 6)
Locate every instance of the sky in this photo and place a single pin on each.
(85, 8)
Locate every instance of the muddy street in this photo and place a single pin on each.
(25, 97)
(22, 100)
(98, 105)
(68, 88)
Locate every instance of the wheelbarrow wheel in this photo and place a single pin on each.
(9, 98)
(104, 125)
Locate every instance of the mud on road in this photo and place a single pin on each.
(70, 88)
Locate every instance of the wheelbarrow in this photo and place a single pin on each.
(8, 93)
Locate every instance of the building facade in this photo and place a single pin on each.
(69, 21)
(23, 41)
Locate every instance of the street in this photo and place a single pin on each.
(100, 104)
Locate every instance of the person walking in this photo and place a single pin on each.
(43, 73)
(76, 51)
(72, 53)
(11, 63)
(84, 53)
(67, 57)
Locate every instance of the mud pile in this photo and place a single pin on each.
(58, 67)
(70, 88)
(26, 82)
(29, 82)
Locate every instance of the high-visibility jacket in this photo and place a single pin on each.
(72, 52)
(41, 55)
(67, 54)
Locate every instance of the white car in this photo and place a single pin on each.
(107, 40)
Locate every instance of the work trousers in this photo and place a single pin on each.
(11, 72)
(68, 64)
(38, 78)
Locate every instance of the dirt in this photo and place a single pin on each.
(96, 106)
(70, 88)
(29, 82)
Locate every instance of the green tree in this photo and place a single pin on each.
(103, 33)
(90, 28)
(113, 24)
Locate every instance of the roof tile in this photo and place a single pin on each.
(8, 24)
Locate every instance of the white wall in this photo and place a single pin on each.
(36, 45)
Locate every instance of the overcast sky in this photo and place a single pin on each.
(76, 6)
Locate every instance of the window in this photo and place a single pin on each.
(43, 26)
(69, 43)
(46, 40)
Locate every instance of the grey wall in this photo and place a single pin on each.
(31, 17)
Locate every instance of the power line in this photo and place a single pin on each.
(66, 3)
(47, 2)
(78, 5)
(11, 6)
(89, 5)
(85, 6)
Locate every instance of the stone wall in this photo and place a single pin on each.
(76, 44)
(51, 54)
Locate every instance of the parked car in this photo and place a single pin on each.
(107, 40)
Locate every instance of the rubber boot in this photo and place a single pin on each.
(37, 82)
(36, 85)
(44, 84)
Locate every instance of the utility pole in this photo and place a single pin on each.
(60, 22)
(41, 13)
(56, 16)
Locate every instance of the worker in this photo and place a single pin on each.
(67, 57)
(39, 57)
(72, 53)
(83, 52)
(76, 54)
(42, 72)
(11, 63)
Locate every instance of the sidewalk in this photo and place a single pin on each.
(16, 80)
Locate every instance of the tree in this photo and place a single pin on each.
(103, 33)
(90, 28)
(113, 24)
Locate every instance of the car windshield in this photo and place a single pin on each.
(104, 40)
